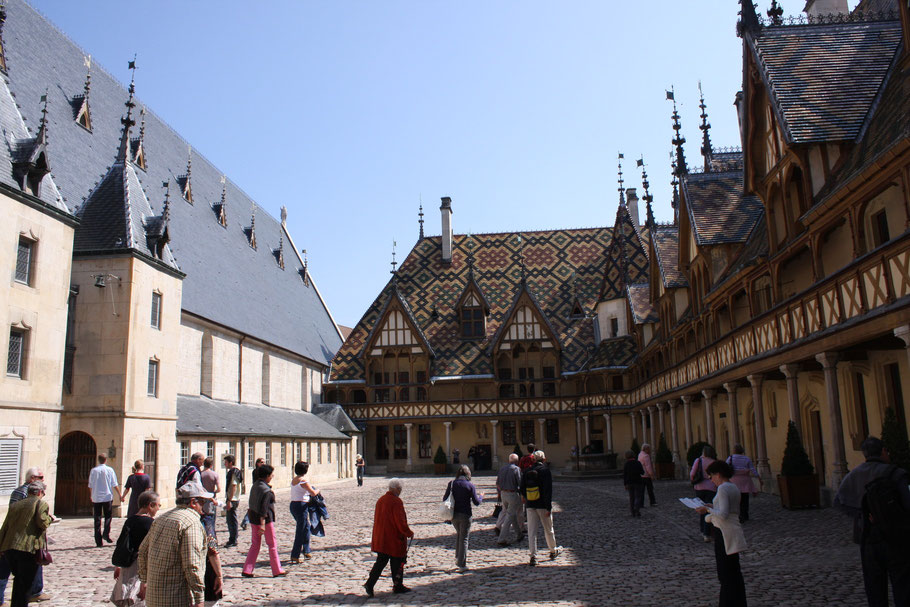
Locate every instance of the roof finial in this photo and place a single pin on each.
(394, 263)
(279, 254)
(775, 13)
(306, 260)
(678, 139)
(675, 183)
(521, 257)
(420, 216)
(470, 245)
(705, 126)
(648, 198)
(87, 60)
(253, 225)
(622, 191)
(128, 121)
(42, 128)
(748, 19)
(2, 48)
(166, 213)
(222, 208)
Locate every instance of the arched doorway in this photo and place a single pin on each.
(75, 459)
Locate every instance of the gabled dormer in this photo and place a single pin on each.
(82, 113)
(29, 158)
(186, 181)
(473, 310)
(137, 146)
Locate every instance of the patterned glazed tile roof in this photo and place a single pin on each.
(823, 78)
(266, 302)
(560, 265)
(717, 209)
(666, 247)
(616, 352)
(627, 258)
(639, 296)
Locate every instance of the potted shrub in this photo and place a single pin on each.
(894, 435)
(663, 459)
(439, 461)
(635, 446)
(797, 480)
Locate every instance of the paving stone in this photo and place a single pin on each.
(801, 557)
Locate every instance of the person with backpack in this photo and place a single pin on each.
(875, 494)
(537, 494)
(704, 488)
(126, 553)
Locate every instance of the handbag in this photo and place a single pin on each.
(699, 475)
(124, 555)
(497, 509)
(43, 557)
(447, 507)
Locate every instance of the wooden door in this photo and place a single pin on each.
(150, 458)
(75, 459)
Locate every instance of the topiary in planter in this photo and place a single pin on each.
(439, 461)
(797, 481)
(695, 451)
(635, 446)
(894, 435)
(663, 459)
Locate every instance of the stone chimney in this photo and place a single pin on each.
(446, 210)
(632, 204)
(814, 8)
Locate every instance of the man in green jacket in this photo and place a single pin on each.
(21, 535)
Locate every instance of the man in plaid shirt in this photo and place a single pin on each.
(172, 556)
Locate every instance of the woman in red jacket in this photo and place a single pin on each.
(390, 533)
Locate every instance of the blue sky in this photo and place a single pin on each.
(349, 112)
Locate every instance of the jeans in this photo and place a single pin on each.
(360, 476)
(231, 517)
(24, 567)
(397, 570)
(462, 524)
(99, 509)
(208, 521)
(882, 561)
(545, 519)
(636, 498)
(743, 507)
(268, 530)
(732, 586)
(649, 485)
(302, 534)
(511, 509)
(707, 496)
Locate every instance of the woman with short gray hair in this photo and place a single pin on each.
(464, 494)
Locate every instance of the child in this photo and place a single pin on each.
(632, 478)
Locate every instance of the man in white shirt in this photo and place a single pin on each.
(102, 481)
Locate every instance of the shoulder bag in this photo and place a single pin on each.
(699, 475)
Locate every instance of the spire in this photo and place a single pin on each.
(748, 18)
(304, 271)
(137, 152)
(41, 137)
(394, 263)
(252, 231)
(2, 46)
(470, 245)
(775, 13)
(648, 198)
(521, 257)
(166, 213)
(675, 183)
(87, 60)
(127, 122)
(678, 139)
(279, 252)
(186, 181)
(222, 207)
(706, 149)
(622, 191)
(420, 218)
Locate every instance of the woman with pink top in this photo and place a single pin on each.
(262, 519)
(704, 488)
(743, 471)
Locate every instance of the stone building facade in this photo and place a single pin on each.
(172, 313)
(779, 292)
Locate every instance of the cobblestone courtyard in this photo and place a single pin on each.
(795, 558)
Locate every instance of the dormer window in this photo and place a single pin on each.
(83, 114)
(473, 325)
(577, 312)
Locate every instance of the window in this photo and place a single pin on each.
(10, 462)
(508, 433)
(18, 348)
(552, 431)
(424, 441)
(880, 234)
(156, 310)
(284, 454)
(232, 450)
(382, 442)
(614, 327)
(210, 449)
(299, 452)
(328, 452)
(309, 455)
(472, 320)
(268, 452)
(318, 453)
(184, 453)
(527, 431)
(401, 441)
(153, 378)
(24, 257)
(150, 458)
(251, 455)
(617, 382)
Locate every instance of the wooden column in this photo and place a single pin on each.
(828, 361)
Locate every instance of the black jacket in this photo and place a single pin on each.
(631, 473)
(538, 474)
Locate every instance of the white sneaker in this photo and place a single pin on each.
(556, 552)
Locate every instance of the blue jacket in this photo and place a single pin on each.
(315, 513)
(464, 494)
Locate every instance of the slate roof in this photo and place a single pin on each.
(201, 415)
(432, 289)
(666, 248)
(227, 281)
(639, 296)
(335, 416)
(823, 78)
(754, 250)
(627, 258)
(718, 211)
(613, 353)
(20, 141)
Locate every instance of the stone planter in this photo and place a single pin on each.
(439, 468)
(665, 470)
(798, 491)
